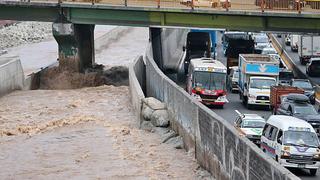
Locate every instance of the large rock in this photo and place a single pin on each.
(154, 103)
(146, 125)
(160, 118)
(146, 112)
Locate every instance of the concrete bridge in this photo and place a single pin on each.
(73, 21)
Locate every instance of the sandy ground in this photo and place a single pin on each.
(86, 133)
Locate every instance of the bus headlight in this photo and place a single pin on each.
(197, 96)
(222, 99)
(316, 157)
(285, 154)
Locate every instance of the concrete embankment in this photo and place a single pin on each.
(11, 75)
(217, 146)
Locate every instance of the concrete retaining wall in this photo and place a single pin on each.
(136, 81)
(218, 147)
(11, 75)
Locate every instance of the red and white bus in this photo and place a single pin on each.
(207, 81)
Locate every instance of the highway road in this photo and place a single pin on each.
(295, 59)
(229, 114)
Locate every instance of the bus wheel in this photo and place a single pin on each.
(313, 172)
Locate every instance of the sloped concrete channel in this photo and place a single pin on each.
(217, 146)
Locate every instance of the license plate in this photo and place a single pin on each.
(301, 165)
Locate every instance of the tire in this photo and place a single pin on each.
(243, 100)
(313, 172)
(248, 105)
(301, 62)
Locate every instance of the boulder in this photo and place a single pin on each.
(160, 118)
(146, 112)
(154, 103)
(147, 126)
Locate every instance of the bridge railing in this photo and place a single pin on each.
(280, 6)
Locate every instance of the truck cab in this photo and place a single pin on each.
(257, 73)
(258, 90)
(207, 81)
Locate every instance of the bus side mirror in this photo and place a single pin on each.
(183, 48)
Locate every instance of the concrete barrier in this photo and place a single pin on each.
(136, 84)
(11, 75)
(218, 147)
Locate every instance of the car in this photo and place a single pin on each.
(291, 142)
(287, 40)
(313, 67)
(233, 79)
(298, 105)
(261, 41)
(269, 51)
(250, 126)
(306, 86)
(285, 76)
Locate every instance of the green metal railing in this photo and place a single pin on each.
(278, 6)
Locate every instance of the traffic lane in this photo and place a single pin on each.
(295, 58)
(228, 113)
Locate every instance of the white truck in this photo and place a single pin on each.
(294, 42)
(257, 73)
(308, 47)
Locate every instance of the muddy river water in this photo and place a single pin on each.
(87, 133)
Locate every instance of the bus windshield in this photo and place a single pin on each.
(209, 80)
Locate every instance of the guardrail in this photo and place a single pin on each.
(279, 6)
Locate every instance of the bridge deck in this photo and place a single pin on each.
(244, 15)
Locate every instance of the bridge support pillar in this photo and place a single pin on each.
(76, 45)
(155, 38)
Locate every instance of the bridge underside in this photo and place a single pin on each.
(136, 16)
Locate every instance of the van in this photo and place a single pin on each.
(292, 142)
